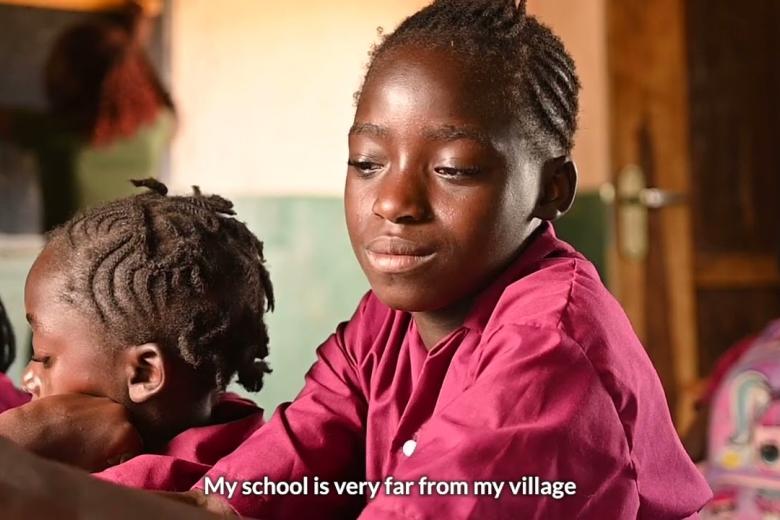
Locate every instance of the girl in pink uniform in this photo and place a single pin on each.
(487, 351)
(155, 303)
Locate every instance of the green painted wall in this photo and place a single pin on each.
(586, 227)
(316, 279)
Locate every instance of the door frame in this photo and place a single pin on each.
(649, 127)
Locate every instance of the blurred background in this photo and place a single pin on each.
(676, 153)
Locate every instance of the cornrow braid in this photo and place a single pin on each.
(179, 271)
(535, 74)
(7, 341)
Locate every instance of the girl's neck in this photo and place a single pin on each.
(158, 425)
(435, 325)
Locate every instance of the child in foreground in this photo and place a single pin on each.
(155, 302)
(487, 349)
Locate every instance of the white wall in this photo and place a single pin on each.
(264, 88)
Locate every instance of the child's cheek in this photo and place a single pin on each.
(64, 379)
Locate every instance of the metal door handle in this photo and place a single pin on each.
(633, 199)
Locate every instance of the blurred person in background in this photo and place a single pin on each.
(109, 117)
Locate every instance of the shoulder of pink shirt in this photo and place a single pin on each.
(191, 454)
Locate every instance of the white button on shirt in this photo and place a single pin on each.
(409, 447)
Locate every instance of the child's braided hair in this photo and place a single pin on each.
(179, 271)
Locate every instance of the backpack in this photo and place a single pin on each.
(743, 466)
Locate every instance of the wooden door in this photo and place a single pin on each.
(694, 110)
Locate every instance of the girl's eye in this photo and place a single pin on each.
(43, 360)
(364, 167)
(448, 171)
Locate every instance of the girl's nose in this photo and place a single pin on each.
(31, 383)
(402, 197)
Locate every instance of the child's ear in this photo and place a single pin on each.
(558, 186)
(145, 370)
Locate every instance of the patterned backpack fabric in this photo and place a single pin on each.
(744, 435)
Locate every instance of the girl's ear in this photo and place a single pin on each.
(145, 370)
(558, 186)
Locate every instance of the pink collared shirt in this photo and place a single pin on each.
(545, 378)
(189, 455)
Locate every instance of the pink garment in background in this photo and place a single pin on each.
(190, 454)
(545, 378)
(10, 396)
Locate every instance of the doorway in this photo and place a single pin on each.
(694, 123)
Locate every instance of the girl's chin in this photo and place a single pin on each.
(408, 299)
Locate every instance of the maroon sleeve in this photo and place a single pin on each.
(320, 433)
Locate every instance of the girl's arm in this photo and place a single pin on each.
(35, 489)
(84, 431)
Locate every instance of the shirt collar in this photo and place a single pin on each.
(541, 244)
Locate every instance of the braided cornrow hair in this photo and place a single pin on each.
(7, 341)
(179, 271)
(535, 76)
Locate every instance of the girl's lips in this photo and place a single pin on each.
(396, 264)
(394, 255)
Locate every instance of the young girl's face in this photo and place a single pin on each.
(70, 355)
(440, 191)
